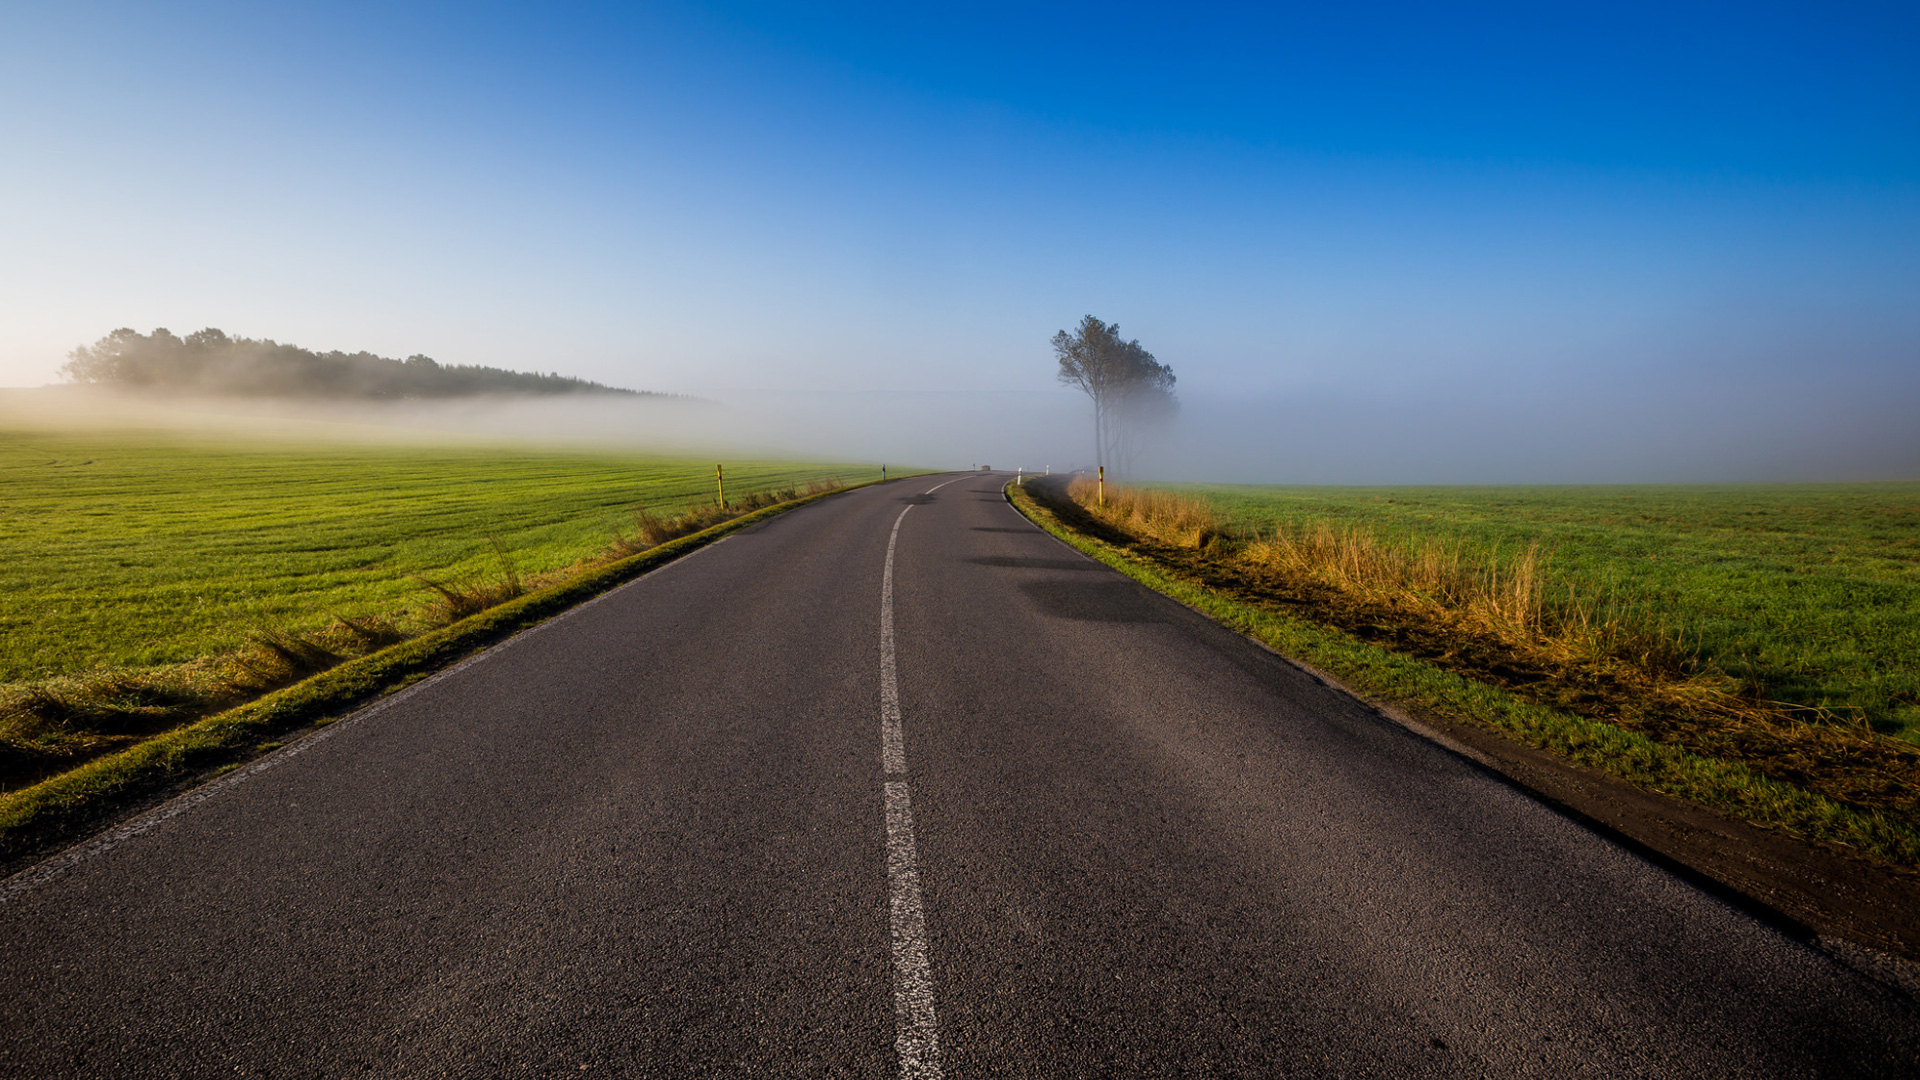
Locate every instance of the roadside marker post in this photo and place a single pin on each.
(1103, 485)
(720, 478)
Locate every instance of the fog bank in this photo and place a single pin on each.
(1752, 430)
(942, 430)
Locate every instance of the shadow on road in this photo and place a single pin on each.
(1037, 564)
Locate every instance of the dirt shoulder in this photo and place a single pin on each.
(1865, 913)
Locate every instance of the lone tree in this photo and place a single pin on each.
(1129, 388)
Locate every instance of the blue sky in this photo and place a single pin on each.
(1376, 243)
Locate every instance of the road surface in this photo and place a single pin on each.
(894, 785)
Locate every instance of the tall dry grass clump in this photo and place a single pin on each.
(457, 600)
(1181, 520)
(1506, 596)
(50, 725)
(651, 530)
(1436, 577)
(1503, 597)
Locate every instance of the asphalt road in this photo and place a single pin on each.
(667, 835)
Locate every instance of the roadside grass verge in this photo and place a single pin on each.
(41, 817)
(150, 579)
(1565, 707)
(49, 726)
(1803, 594)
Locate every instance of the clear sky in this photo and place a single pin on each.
(1376, 243)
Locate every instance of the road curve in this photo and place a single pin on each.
(681, 832)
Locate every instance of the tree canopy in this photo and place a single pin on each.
(210, 362)
(1130, 389)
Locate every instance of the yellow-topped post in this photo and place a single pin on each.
(720, 478)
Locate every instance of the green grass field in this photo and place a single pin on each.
(1810, 593)
(144, 549)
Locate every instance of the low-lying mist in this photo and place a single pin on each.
(1305, 437)
(925, 430)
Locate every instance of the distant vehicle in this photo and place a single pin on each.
(986, 468)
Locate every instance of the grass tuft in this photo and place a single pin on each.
(652, 529)
(368, 632)
(280, 657)
(461, 599)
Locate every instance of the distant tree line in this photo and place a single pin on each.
(210, 362)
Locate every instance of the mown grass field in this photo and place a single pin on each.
(146, 549)
(1809, 594)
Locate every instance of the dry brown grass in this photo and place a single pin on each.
(52, 725)
(652, 530)
(1175, 519)
(457, 600)
(1503, 596)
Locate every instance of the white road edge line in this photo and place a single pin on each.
(916, 1029)
(44, 872)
